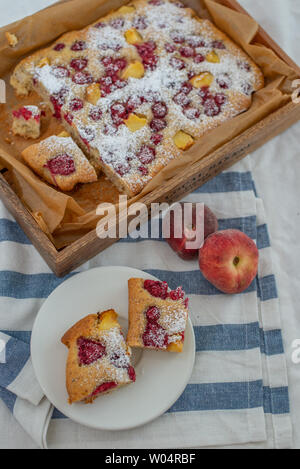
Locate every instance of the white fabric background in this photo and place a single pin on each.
(276, 171)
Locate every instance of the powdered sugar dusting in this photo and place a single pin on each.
(179, 49)
(173, 321)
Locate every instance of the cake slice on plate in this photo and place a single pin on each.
(157, 315)
(99, 359)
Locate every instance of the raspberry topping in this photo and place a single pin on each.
(78, 45)
(199, 58)
(211, 108)
(146, 50)
(244, 66)
(89, 351)
(131, 373)
(140, 23)
(62, 165)
(100, 25)
(143, 170)
(152, 314)
(224, 81)
(170, 48)
(155, 336)
(177, 38)
(205, 94)
(104, 387)
(177, 294)
(186, 87)
(122, 169)
(133, 103)
(220, 99)
(156, 139)
(196, 42)
(118, 113)
(150, 61)
(191, 112)
(82, 78)
(159, 109)
(146, 154)
(79, 64)
(60, 72)
(187, 51)
(181, 99)
(158, 124)
(76, 104)
(218, 45)
(58, 100)
(177, 63)
(117, 23)
(155, 2)
(23, 112)
(69, 118)
(59, 46)
(107, 61)
(95, 114)
(156, 288)
(87, 135)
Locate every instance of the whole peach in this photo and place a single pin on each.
(229, 260)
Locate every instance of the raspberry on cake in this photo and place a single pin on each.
(27, 122)
(59, 161)
(149, 78)
(98, 359)
(157, 315)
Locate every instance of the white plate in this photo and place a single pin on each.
(161, 376)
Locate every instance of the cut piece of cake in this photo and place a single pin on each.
(27, 122)
(157, 315)
(59, 161)
(138, 88)
(99, 358)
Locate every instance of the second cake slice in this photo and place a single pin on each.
(157, 315)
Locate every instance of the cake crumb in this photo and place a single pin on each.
(11, 39)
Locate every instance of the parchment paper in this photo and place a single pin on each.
(65, 217)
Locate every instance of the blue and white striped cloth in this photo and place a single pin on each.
(238, 393)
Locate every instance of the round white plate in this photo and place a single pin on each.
(161, 376)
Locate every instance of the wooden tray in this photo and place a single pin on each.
(66, 260)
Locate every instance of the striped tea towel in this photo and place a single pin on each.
(238, 393)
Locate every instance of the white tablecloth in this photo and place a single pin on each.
(276, 169)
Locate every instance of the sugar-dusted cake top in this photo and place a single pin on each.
(138, 86)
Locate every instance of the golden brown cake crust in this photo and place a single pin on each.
(40, 155)
(173, 316)
(83, 379)
(120, 152)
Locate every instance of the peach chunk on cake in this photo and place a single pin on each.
(157, 315)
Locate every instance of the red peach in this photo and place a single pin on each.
(189, 233)
(229, 260)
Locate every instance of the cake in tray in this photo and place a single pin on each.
(59, 161)
(139, 86)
